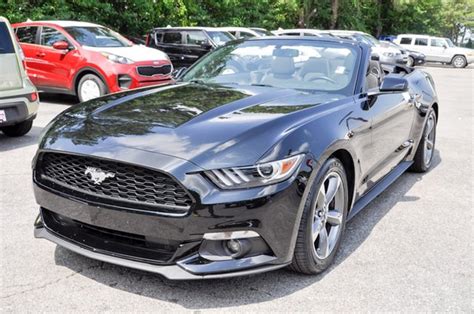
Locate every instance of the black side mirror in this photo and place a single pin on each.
(206, 45)
(394, 84)
(178, 73)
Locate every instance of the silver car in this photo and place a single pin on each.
(18, 96)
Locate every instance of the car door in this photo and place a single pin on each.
(421, 45)
(438, 48)
(27, 37)
(56, 64)
(391, 117)
(197, 45)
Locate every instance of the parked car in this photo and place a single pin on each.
(186, 45)
(390, 38)
(413, 58)
(385, 53)
(18, 96)
(87, 60)
(437, 49)
(235, 170)
(241, 32)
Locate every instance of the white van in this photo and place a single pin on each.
(437, 49)
(18, 96)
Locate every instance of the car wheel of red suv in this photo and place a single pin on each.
(90, 87)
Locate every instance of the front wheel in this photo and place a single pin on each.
(425, 151)
(90, 86)
(459, 62)
(410, 62)
(323, 221)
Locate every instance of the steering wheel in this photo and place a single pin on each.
(324, 78)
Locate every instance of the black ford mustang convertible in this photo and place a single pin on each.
(253, 160)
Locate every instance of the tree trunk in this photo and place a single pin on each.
(334, 13)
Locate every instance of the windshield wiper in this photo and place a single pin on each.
(197, 81)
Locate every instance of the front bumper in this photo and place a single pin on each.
(180, 271)
(273, 213)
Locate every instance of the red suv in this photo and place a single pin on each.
(87, 60)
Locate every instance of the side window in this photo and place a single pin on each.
(6, 45)
(27, 35)
(421, 41)
(292, 34)
(51, 35)
(158, 37)
(172, 38)
(405, 41)
(437, 42)
(195, 38)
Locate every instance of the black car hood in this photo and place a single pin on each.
(209, 125)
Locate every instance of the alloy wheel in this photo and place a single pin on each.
(429, 139)
(89, 90)
(410, 62)
(459, 62)
(328, 215)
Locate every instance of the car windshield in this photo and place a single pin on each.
(97, 37)
(308, 65)
(450, 43)
(220, 38)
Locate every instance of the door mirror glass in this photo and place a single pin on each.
(394, 84)
(61, 45)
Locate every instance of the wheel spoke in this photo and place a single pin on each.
(429, 144)
(323, 244)
(429, 127)
(316, 229)
(334, 217)
(333, 186)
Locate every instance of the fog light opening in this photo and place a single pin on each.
(237, 247)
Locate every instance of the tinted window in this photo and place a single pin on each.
(291, 34)
(195, 38)
(51, 35)
(421, 42)
(158, 37)
(438, 42)
(27, 35)
(6, 45)
(172, 38)
(246, 35)
(405, 41)
(93, 36)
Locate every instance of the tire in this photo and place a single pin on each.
(425, 151)
(306, 258)
(90, 86)
(459, 61)
(19, 129)
(411, 62)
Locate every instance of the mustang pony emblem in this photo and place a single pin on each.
(97, 175)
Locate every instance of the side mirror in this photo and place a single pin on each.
(394, 84)
(61, 45)
(178, 73)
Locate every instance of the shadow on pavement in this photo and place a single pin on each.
(58, 99)
(231, 292)
(10, 143)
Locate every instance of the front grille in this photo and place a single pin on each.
(154, 70)
(124, 185)
(107, 241)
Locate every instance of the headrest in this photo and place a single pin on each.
(283, 66)
(289, 53)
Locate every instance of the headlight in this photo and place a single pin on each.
(388, 54)
(258, 175)
(117, 59)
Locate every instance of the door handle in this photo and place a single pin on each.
(40, 54)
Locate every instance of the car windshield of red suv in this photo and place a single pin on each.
(97, 37)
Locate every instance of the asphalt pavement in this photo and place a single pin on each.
(409, 250)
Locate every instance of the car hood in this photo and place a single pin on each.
(209, 125)
(136, 53)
